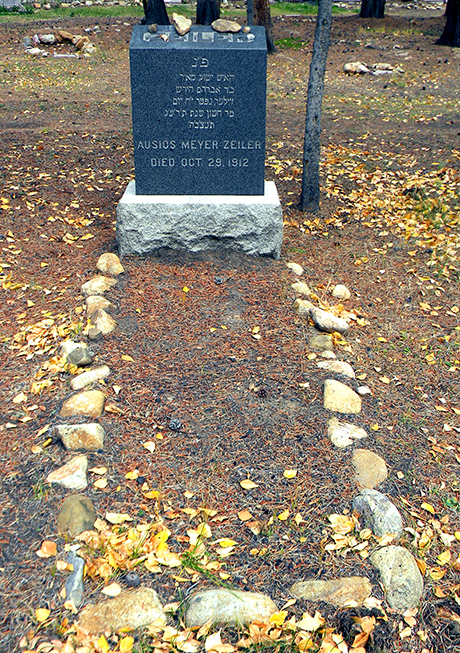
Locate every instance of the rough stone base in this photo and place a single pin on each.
(251, 224)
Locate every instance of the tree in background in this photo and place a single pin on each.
(451, 33)
(207, 11)
(309, 199)
(372, 9)
(155, 12)
(262, 16)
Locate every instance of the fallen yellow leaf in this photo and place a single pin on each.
(290, 473)
(112, 590)
(42, 614)
(247, 484)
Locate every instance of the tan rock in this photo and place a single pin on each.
(129, 610)
(81, 42)
(302, 288)
(341, 292)
(72, 475)
(97, 285)
(93, 302)
(328, 322)
(89, 437)
(64, 35)
(88, 404)
(76, 515)
(370, 469)
(340, 398)
(222, 25)
(228, 607)
(295, 267)
(181, 23)
(82, 380)
(343, 434)
(342, 592)
(339, 367)
(103, 321)
(109, 263)
(303, 306)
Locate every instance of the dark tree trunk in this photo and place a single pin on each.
(451, 33)
(309, 199)
(155, 12)
(372, 9)
(250, 12)
(207, 11)
(262, 16)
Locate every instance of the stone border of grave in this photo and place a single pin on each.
(131, 609)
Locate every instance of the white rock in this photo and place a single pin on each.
(98, 285)
(228, 607)
(379, 513)
(351, 591)
(93, 302)
(340, 398)
(82, 380)
(343, 434)
(341, 292)
(69, 345)
(181, 23)
(355, 68)
(72, 475)
(328, 354)
(339, 367)
(363, 390)
(295, 267)
(301, 287)
(303, 306)
(109, 263)
(400, 577)
(328, 322)
(103, 321)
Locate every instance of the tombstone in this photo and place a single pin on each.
(198, 107)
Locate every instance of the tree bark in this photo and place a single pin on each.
(451, 33)
(262, 16)
(309, 199)
(155, 12)
(207, 11)
(372, 9)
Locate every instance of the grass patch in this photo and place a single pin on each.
(290, 43)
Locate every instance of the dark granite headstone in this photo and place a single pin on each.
(198, 104)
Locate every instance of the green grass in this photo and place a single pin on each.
(291, 43)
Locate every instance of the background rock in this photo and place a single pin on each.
(379, 513)
(76, 515)
(340, 398)
(370, 469)
(226, 607)
(400, 577)
(341, 592)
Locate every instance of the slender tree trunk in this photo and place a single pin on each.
(262, 16)
(372, 9)
(155, 12)
(250, 12)
(207, 11)
(309, 199)
(451, 33)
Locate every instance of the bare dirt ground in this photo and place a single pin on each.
(387, 228)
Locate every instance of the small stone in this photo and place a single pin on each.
(228, 607)
(246, 29)
(132, 579)
(339, 398)
(72, 475)
(103, 321)
(295, 267)
(76, 515)
(339, 367)
(301, 287)
(400, 577)
(74, 584)
(76, 353)
(355, 68)
(64, 35)
(84, 379)
(89, 404)
(153, 28)
(88, 48)
(93, 302)
(325, 321)
(321, 342)
(222, 25)
(175, 424)
(341, 292)
(363, 390)
(379, 513)
(110, 263)
(370, 469)
(328, 354)
(303, 306)
(95, 334)
(343, 434)
(82, 41)
(47, 39)
(342, 592)
(129, 610)
(89, 437)
(98, 285)
(181, 23)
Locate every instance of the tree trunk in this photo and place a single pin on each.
(155, 12)
(207, 11)
(309, 199)
(262, 16)
(372, 9)
(451, 33)
(250, 12)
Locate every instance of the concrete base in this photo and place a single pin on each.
(251, 224)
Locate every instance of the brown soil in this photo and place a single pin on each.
(66, 159)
